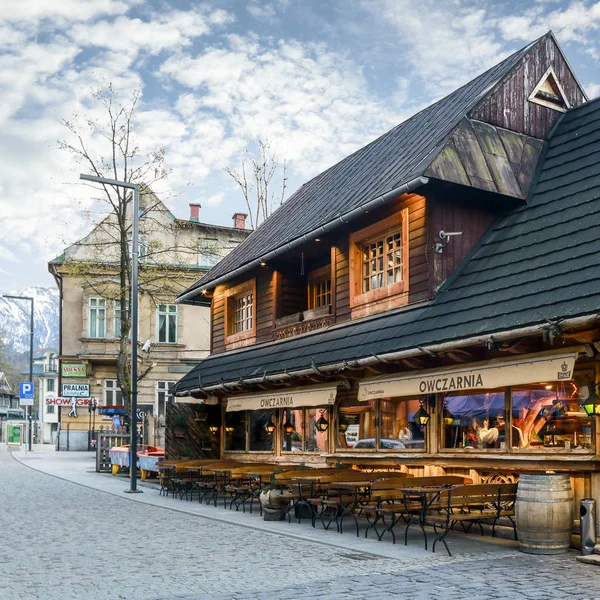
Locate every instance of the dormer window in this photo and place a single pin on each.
(382, 260)
(240, 314)
(379, 263)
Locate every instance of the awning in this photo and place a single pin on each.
(314, 395)
(486, 375)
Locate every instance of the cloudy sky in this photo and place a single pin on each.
(318, 78)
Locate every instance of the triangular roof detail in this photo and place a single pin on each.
(549, 92)
(395, 158)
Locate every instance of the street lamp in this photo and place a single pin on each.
(134, 318)
(27, 415)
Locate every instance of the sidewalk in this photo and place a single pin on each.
(79, 468)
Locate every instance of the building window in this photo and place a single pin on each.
(208, 255)
(379, 261)
(356, 424)
(398, 428)
(167, 323)
(50, 409)
(235, 430)
(97, 317)
(382, 262)
(240, 314)
(299, 432)
(544, 417)
(319, 288)
(112, 393)
(162, 397)
(117, 318)
(243, 313)
(50, 385)
(52, 364)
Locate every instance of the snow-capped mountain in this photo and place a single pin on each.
(15, 315)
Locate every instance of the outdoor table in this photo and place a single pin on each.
(360, 493)
(301, 501)
(425, 496)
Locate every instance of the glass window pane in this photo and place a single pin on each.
(548, 416)
(314, 440)
(398, 428)
(356, 422)
(474, 420)
(235, 439)
(292, 440)
(162, 328)
(172, 329)
(260, 438)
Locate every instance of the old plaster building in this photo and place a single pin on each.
(430, 303)
(173, 252)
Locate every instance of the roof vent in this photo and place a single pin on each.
(548, 92)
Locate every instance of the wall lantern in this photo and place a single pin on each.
(270, 426)
(214, 429)
(421, 417)
(322, 423)
(592, 403)
(342, 426)
(229, 429)
(288, 427)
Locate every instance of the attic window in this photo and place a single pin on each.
(548, 92)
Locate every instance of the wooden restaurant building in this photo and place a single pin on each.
(449, 269)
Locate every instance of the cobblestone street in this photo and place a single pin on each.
(64, 541)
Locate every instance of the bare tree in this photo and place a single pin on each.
(107, 148)
(256, 180)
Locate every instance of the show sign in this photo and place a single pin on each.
(70, 401)
(76, 390)
(73, 370)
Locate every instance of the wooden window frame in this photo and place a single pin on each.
(393, 224)
(243, 338)
(314, 278)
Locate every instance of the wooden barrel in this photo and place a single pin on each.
(544, 513)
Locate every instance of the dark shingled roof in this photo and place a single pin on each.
(541, 262)
(395, 158)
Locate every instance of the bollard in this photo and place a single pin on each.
(588, 526)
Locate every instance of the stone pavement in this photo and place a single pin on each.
(89, 540)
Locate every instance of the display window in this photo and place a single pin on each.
(300, 432)
(356, 425)
(398, 428)
(235, 430)
(248, 430)
(546, 416)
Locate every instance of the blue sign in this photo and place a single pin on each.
(26, 390)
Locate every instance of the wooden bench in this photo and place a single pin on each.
(469, 504)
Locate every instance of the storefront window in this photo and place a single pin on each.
(235, 430)
(304, 437)
(474, 421)
(260, 438)
(355, 425)
(548, 415)
(398, 428)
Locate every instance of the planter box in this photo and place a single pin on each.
(316, 313)
(289, 320)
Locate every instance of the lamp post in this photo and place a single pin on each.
(134, 318)
(27, 412)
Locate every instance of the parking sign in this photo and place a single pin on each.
(26, 393)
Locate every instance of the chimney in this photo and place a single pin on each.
(194, 212)
(239, 220)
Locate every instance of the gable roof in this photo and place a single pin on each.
(396, 158)
(534, 268)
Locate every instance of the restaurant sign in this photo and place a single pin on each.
(490, 375)
(73, 370)
(321, 395)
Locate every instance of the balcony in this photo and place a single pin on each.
(303, 322)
